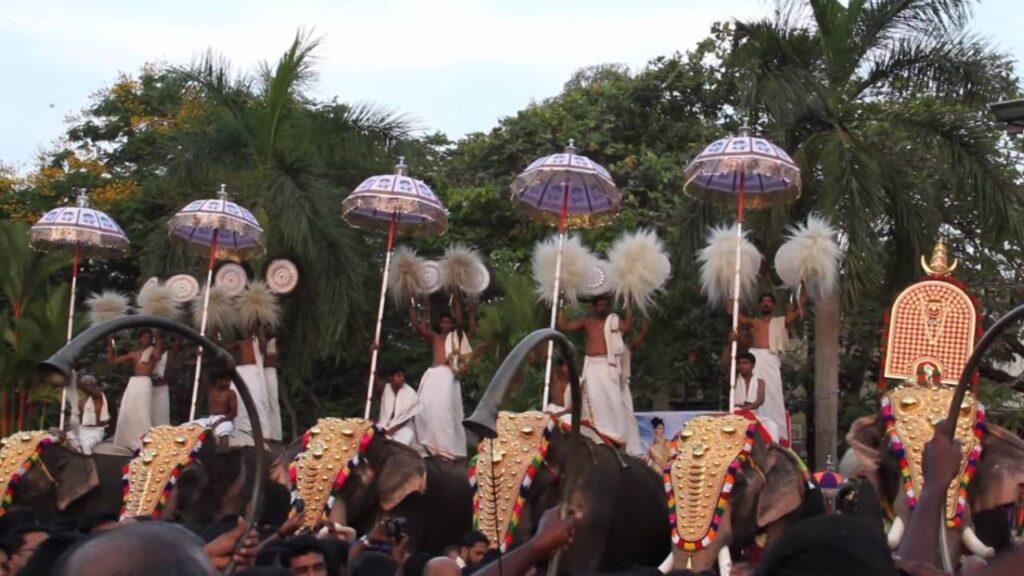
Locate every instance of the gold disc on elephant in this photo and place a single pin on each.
(915, 410)
(705, 449)
(165, 451)
(502, 465)
(333, 443)
(16, 453)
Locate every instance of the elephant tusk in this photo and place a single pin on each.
(895, 534)
(666, 566)
(975, 545)
(724, 561)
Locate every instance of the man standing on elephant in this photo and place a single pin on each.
(769, 338)
(604, 401)
(438, 424)
(135, 417)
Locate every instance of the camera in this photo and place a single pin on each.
(393, 526)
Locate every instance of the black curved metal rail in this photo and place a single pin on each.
(62, 362)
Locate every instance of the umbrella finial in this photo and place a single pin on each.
(830, 466)
(745, 131)
(571, 147)
(401, 168)
(223, 192)
(82, 198)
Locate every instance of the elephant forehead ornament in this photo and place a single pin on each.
(152, 474)
(503, 471)
(18, 452)
(910, 413)
(706, 456)
(330, 450)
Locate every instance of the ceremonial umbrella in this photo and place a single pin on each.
(88, 233)
(221, 230)
(571, 190)
(396, 203)
(753, 173)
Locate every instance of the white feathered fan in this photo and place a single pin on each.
(408, 275)
(463, 269)
(577, 261)
(810, 256)
(218, 314)
(157, 299)
(718, 265)
(640, 266)
(257, 304)
(107, 305)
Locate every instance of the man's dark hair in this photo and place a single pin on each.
(87, 524)
(373, 564)
(767, 295)
(141, 331)
(474, 537)
(415, 564)
(746, 355)
(447, 315)
(151, 548)
(335, 554)
(655, 422)
(46, 555)
(300, 546)
(396, 370)
(835, 545)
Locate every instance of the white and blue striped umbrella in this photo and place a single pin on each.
(238, 233)
(577, 184)
(766, 172)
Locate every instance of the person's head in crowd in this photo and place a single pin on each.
(139, 549)
(49, 551)
(416, 564)
(442, 566)
(276, 504)
(373, 564)
(304, 556)
(264, 571)
(474, 546)
(396, 378)
(335, 555)
(659, 427)
(451, 551)
(25, 540)
(832, 545)
(745, 362)
(270, 553)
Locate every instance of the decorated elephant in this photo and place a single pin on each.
(344, 470)
(886, 450)
(529, 462)
(728, 487)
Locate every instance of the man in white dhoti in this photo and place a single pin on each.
(438, 424)
(160, 408)
(249, 355)
(134, 417)
(398, 406)
(273, 398)
(769, 338)
(92, 405)
(750, 395)
(604, 403)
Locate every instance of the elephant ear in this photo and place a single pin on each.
(399, 473)
(784, 488)
(1000, 475)
(74, 474)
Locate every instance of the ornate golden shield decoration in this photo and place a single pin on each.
(18, 452)
(151, 475)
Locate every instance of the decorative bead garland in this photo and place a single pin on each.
(524, 488)
(723, 497)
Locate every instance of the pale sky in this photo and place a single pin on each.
(456, 67)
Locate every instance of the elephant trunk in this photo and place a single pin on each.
(895, 534)
(975, 545)
(483, 421)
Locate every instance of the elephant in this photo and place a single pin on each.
(392, 479)
(770, 487)
(998, 481)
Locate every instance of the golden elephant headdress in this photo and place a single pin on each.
(150, 476)
(19, 452)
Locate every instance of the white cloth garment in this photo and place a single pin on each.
(456, 345)
(134, 417)
(161, 405)
(93, 427)
(634, 447)
(89, 416)
(397, 411)
(778, 335)
(439, 422)
(602, 398)
(273, 394)
(253, 376)
(772, 413)
(222, 429)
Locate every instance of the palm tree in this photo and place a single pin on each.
(883, 102)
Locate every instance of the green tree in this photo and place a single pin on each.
(884, 104)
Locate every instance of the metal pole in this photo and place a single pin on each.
(562, 226)
(71, 323)
(380, 315)
(736, 295)
(202, 323)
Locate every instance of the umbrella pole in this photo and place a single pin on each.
(71, 321)
(380, 315)
(562, 226)
(736, 295)
(202, 324)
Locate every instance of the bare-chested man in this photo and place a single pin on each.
(135, 416)
(438, 424)
(769, 335)
(604, 401)
(222, 405)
